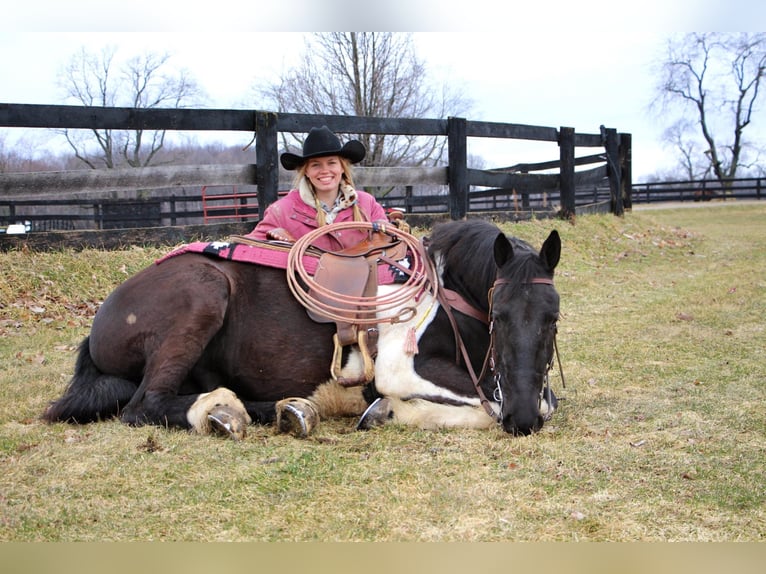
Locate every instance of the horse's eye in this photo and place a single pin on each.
(500, 315)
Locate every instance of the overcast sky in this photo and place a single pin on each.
(575, 64)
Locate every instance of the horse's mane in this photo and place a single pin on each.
(464, 251)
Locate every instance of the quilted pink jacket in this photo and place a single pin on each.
(295, 216)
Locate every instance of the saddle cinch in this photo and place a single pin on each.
(353, 273)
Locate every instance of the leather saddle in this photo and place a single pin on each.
(353, 272)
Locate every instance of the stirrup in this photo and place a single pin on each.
(369, 364)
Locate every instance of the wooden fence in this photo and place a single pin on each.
(700, 190)
(518, 187)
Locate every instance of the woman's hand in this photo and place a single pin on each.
(280, 234)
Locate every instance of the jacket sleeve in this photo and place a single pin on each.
(272, 219)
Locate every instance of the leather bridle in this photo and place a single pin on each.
(452, 300)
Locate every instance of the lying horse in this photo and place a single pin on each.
(204, 343)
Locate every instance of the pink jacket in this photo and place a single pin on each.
(295, 216)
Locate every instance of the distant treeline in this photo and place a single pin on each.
(21, 159)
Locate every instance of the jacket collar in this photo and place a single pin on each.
(348, 195)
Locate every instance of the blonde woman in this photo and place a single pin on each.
(324, 193)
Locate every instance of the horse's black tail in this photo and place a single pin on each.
(90, 395)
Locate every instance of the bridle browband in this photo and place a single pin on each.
(450, 299)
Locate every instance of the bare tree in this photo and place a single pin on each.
(21, 155)
(145, 81)
(367, 74)
(687, 149)
(715, 79)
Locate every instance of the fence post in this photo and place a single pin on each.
(172, 209)
(609, 138)
(98, 216)
(626, 169)
(266, 159)
(458, 167)
(567, 172)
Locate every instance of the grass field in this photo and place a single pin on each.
(662, 435)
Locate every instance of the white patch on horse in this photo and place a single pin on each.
(431, 416)
(395, 378)
(546, 410)
(131, 319)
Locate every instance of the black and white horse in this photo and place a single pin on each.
(204, 343)
(489, 283)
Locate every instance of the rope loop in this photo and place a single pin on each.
(390, 308)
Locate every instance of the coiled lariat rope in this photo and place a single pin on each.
(394, 307)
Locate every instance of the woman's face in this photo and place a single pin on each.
(325, 173)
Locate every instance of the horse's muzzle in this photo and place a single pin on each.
(522, 426)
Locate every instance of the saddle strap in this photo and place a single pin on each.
(367, 341)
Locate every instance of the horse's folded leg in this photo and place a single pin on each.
(229, 422)
(296, 416)
(377, 414)
(548, 404)
(217, 410)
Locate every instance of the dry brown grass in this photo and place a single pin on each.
(661, 435)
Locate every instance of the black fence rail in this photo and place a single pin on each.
(699, 190)
(159, 210)
(240, 204)
(173, 194)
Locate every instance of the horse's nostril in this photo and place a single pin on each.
(510, 426)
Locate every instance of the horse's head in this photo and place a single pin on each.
(525, 309)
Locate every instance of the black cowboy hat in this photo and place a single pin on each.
(322, 142)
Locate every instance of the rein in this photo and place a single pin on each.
(452, 300)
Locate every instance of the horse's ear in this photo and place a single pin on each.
(503, 250)
(551, 250)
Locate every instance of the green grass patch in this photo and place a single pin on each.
(661, 434)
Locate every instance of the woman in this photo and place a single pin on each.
(324, 193)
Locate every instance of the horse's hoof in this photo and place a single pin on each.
(229, 408)
(377, 414)
(298, 417)
(228, 422)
